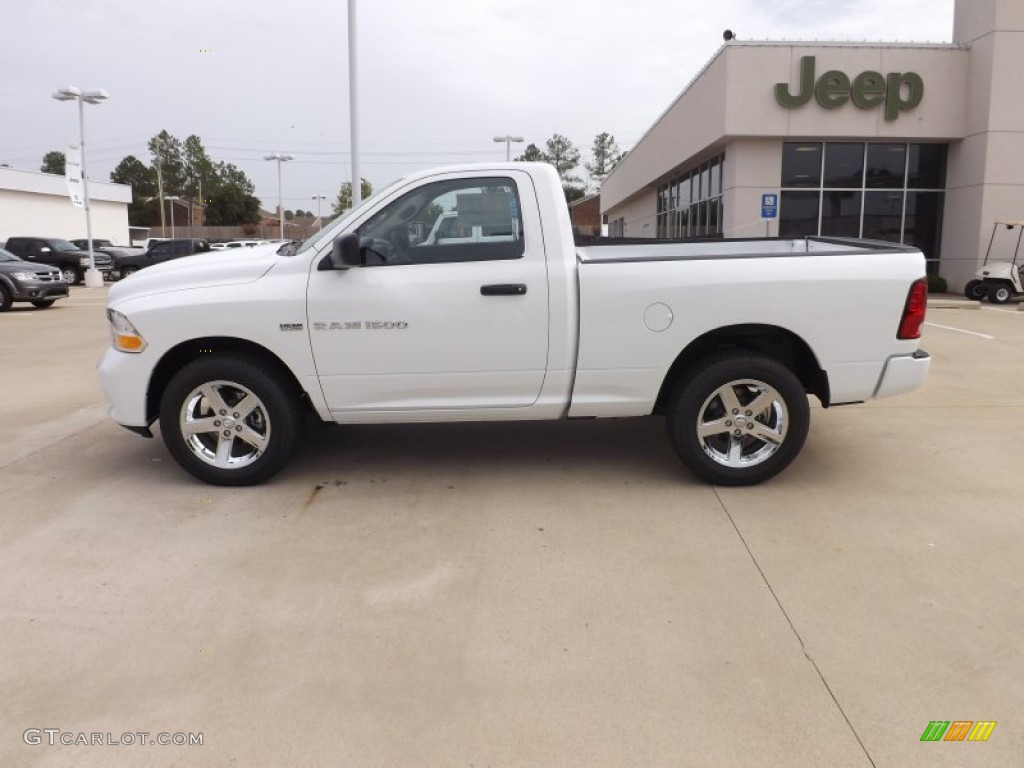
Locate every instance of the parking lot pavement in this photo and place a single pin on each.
(524, 594)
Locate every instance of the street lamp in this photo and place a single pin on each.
(93, 279)
(318, 198)
(508, 143)
(281, 158)
(170, 199)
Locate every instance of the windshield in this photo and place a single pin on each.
(61, 245)
(339, 224)
(7, 256)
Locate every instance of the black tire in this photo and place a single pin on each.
(719, 457)
(975, 290)
(6, 298)
(43, 303)
(1000, 294)
(278, 418)
(128, 271)
(71, 275)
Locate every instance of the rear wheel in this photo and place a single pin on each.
(739, 418)
(43, 303)
(1000, 294)
(975, 290)
(230, 421)
(6, 299)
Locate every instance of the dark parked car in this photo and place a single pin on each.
(58, 253)
(83, 244)
(24, 281)
(125, 263)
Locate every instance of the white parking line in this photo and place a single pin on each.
(960, 330)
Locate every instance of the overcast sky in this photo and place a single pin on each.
(437, 80)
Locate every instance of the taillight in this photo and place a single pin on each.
(913, 311)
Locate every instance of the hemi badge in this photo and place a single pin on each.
(292, 326)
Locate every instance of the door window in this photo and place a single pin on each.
(447, 221)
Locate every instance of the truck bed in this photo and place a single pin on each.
(612, 250)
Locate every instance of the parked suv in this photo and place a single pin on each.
(24, 281)
(125, 263)
(58, 253)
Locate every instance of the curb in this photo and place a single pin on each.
(943, 303)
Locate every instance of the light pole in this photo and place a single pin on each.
(93, 279)
(508, 143)
(353, 101)
(172, 199)
(281, 158)
(318, 198)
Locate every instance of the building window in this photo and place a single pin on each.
(690, 205)
(881, 191)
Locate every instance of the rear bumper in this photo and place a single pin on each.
(904, 373)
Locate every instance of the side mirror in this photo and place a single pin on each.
(345, 252)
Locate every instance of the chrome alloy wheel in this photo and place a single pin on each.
(225, 424)
(742, 423)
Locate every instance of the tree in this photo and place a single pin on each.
(562, 154)
(142, 212)
(344, 201)
(167, 157)
(54, 162)
(289, 215)
(606, 156)
(532, 155)
(198, 172)
(230, 201)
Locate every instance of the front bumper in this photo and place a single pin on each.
(904, 373)
(125, 380)
(39, 290)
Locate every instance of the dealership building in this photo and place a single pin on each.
(38, 205)
(915, 143)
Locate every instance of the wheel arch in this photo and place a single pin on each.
(193, 349)
(773, 341)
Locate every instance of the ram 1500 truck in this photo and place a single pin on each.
(364, 324)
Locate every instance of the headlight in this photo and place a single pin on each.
(123, 333)
(23, 276)
(84, 261)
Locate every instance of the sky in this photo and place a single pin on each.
(436, 80)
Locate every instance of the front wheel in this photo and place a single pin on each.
(739, 418)
(128, 271)
(230, 421)
(70, 275)
(975, 290)
(1000, 294)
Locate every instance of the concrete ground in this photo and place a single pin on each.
(559, 594)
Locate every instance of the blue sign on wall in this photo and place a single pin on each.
(769, 205)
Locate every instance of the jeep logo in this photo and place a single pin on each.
(899, 91)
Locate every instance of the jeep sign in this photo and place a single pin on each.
(899, 91)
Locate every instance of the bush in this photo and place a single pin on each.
(937, 284)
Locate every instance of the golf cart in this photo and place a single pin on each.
(999, 280)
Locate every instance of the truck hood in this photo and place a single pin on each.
(204, 270)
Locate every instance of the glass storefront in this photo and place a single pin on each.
(881, 191)
(691, 204)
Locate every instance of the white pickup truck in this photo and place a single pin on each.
(360, 324)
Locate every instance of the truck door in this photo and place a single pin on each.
(424, 326)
